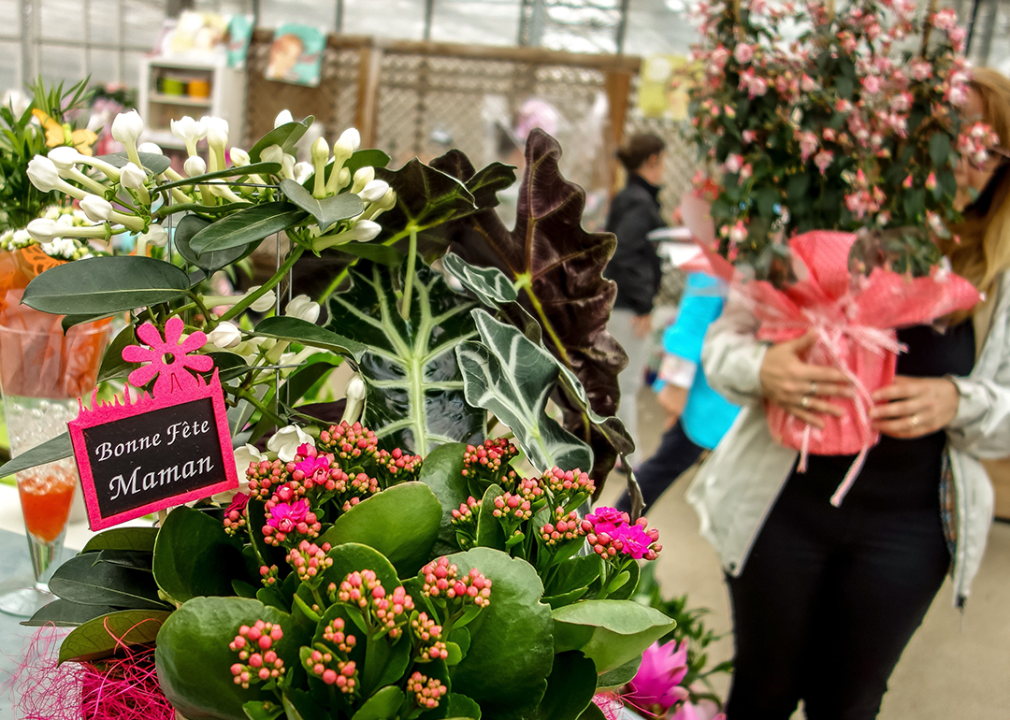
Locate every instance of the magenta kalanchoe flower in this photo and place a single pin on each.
(637, 542)
(235, 516)
(489, 462)
(259, 661)
(289, 517)
(442, 580)
(349, 442)
(264, 476)
(384, 611)
(656, 686)
(607, 519)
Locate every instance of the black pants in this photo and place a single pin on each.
(827, 602)
(675, 454)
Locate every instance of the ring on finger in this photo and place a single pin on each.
(805, 402)
(813, 387)
(915, 421)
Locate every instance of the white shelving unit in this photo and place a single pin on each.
(226, 99)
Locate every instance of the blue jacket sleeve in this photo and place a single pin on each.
(700, 307)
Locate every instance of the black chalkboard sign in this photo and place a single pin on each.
(153, 453)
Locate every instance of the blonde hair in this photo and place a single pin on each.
(984, 249)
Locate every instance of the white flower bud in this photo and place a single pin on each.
(303, 171)
(132, 177)
(366, 230)
(362, 177)
(283, 118)
(273, 153)
(96, 208)
(194, 166)
(224, 336)
(64, 158)
(156, 235)
(127, 127)
(217, 131)
(344, 178)
(43, 174)
(348, 142)
(374, 191)
(151, 148)
(43, 230)
(239, 157)
(388, 200)
(320, 151)
(264, 303)
(355, 394)
(303, 308)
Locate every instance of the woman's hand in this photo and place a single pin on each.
(799, 387)
(913, 407)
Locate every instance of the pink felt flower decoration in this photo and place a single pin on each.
(167, 359)
(656, 686)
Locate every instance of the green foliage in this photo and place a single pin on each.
(106, 285)
(414, 387)
(609, 632)
(556, 267)
(202, 559)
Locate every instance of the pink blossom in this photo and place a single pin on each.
(809, 84)
(957, 37)
(921, 70)
(823, 160)
(754, 85)
(871, 83)
(945, 20)
(748, 136)
(657, 682)
(902, 102)
(286, 517)
(738, 233)
(907, 182)
(733, 163)
(829, 135)
(238, 503)
(743, 53)
(843, 106)
(931, 181)
(607, 519)
(746, 171)
(957, 95)
(635, 540)
(808, 144)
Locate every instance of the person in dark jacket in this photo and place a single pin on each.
(635, 267)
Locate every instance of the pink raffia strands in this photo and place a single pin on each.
(610, 704)
(124, 687)
(855, 332)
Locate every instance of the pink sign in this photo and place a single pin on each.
(152, 453)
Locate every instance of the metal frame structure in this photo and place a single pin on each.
(33, 40)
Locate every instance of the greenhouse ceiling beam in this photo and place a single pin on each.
(429, 14)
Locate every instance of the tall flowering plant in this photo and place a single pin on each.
(825, 117)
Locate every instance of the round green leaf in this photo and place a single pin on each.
(442, 472)
(140, 539)
(194, 556)
(352, 556)
(511, 649)
(381, 705)
(570, 687)
(609, 632)
(202, 629)
(188, 227)
(402, 523)
(105, 285)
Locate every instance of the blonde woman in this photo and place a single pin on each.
(825, 599)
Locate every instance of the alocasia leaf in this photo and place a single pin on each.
(430, 196)
(513, 378)
(494, 289)
(557, 267)
(414, 389)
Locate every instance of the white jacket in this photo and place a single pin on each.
(735, 489)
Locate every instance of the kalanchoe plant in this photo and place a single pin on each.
(292, 601)
(854, 124)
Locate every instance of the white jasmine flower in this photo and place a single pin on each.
(303, 308)
(287, 440)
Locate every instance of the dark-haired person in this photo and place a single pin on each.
(635, 267)
(825, 599)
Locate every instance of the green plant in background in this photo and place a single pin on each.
(689, 629)
(21, 139)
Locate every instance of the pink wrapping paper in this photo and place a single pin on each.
(855, 327)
